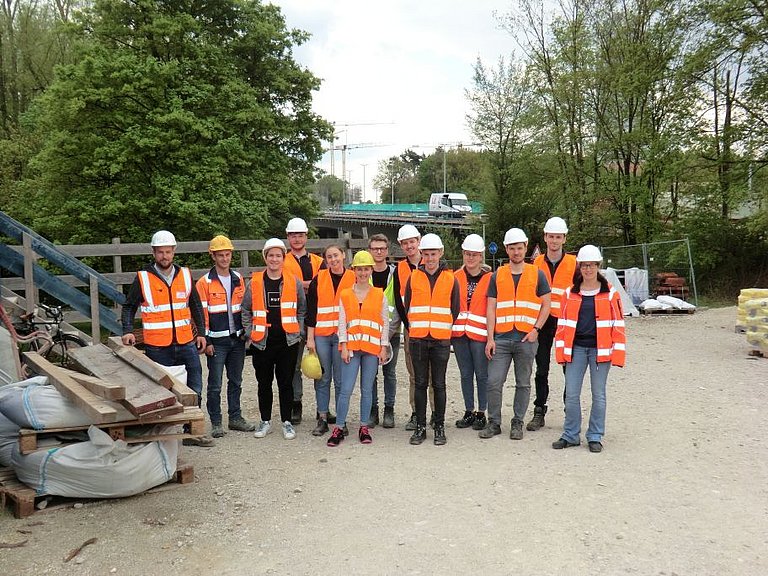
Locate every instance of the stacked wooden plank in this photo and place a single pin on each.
(670, 284)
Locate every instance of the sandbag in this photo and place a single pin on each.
(35, 404)
(675, 303)
(98, 468)
(9, 440)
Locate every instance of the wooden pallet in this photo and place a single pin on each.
(22, 499)
(194, 417)
(671, 311)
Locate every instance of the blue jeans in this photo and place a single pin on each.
(228, 353)
(330, 359)
(389, 371)
(180, 355)
(523, 354)
(574, 378)
(470, 356)
(367, 365)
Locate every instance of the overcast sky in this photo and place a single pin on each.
(401, 66)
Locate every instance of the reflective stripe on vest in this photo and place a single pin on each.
(472, 320)
(516, 307)
(165, 309)
(609, 317)
(429, 313)
(363, 322)
(288, 306)
(562, 280)
(327, 320)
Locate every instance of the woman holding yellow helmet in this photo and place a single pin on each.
(364, 342)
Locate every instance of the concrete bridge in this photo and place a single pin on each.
(337, 224)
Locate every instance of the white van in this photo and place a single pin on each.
(449, 204)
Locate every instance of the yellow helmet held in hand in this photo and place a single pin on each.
(310, 366)
(362, 258)
(220, 242)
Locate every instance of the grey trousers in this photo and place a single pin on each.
(523, 355)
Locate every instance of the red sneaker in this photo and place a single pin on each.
(364, 435)
(337, 437)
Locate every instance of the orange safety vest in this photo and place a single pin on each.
(288, 306)
(327, 320)
(165, 309)
(516, 307)
(472, 319)
(214, 299)
(363, 322)
(611, 339)
(403, 273)
(291, 264)
(429, 312)
(563, 278)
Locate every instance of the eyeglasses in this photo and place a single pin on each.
(378, 249)
(588, 265)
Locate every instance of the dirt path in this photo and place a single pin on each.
(681, 487)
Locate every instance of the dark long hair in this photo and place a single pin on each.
(578, 279)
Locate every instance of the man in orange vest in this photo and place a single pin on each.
(304, 266)
(172, 316)
(518, 306)
(560, 269)
(221, 292)
(432, 303)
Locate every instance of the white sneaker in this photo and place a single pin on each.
(288, 432)
(263, 429)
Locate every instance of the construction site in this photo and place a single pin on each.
(681, 487)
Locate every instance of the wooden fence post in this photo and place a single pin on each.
(30, 292)
(95, 325)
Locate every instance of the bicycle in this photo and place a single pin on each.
(46, 336)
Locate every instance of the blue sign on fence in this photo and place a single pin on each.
(493, 248)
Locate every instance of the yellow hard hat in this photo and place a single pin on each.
(311, 367)
(362, 258)
(220, 242)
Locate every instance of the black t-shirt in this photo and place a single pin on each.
(380, 278)
(274, 320)
(586, 326)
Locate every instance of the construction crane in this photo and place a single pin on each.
(344, 147)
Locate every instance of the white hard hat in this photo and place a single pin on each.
(430, 242)
(589, 253)
(296, 225)
(473, 243)
(273, 243)
(407, 231)
(163, 238)
(514, 235)
(556, 225)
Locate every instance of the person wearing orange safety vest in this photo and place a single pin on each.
(172, 317)
(470, 332)
(518, 306)
(273, 311)
(322, 330)
(303, 265)
(221, 293)
(560, 269)
(432, 303)
(590, 334)
(364, 341)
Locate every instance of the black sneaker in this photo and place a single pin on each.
(491, 429)
(563, 443)
(595, 446)
(337, 437)
(466, 421)
(389, 417)
(373, 421)
(321, 428)
(440, 435)
(411, 424)
(419, 435)
(480, 421)
(364, 435)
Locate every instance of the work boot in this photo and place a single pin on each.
(467, 420)
(480, 421)
(538, 418)
(516, 429)
(419, 435)
(440, 434)
(296, 412)
(373, 421)
(241, 425)
(389, 417)
(217, 430)
(411, 424)
(321, 428)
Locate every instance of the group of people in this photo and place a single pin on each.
(351, 321)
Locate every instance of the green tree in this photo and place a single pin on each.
(191, 116)
(329, 191)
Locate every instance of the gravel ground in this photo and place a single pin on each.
(681, 487)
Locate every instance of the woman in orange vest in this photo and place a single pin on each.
(470, 332)
(322, 328)
(590, 333)
(364, 342)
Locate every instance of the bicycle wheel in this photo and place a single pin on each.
(62, 343)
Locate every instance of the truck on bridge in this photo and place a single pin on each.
(441, 205)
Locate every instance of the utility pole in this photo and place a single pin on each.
(363, 198)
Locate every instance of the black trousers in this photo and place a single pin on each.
(430, 362)
(276, 361)
(543, 357)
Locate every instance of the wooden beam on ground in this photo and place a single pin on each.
(86, 400)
